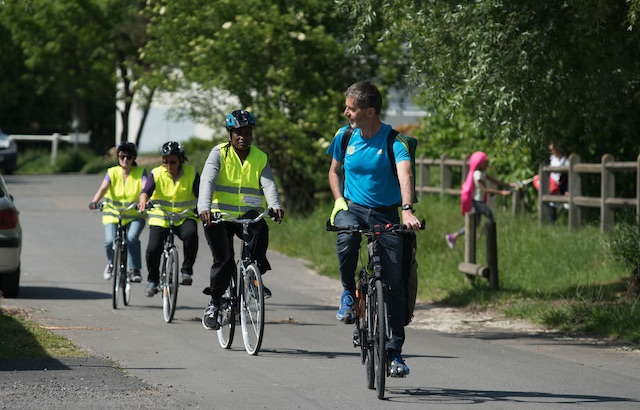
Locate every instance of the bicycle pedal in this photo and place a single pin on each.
(356, 338)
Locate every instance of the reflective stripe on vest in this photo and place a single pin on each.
(238, 188)
(173, 196)
(121, 194)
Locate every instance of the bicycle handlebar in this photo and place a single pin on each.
(376, 229)
(217, 217)
(100, 207)
(169, 214)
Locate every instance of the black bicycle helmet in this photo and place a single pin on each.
(128, 147)
(172, 148)
(239, 119)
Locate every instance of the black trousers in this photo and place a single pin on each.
(187, 232)
(220, 238)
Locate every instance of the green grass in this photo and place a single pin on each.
(548, 275)
(23, 338)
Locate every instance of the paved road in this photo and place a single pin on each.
(306, 360)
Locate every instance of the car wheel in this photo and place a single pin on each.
(10, 284)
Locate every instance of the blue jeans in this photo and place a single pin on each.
(134, 229)
(348, 246)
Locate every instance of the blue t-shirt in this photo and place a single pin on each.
(369, 179)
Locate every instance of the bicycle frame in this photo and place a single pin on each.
(372, 316)
(246, 294)
(121, 279)
(169, 263)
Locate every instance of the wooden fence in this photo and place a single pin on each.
(606, 169)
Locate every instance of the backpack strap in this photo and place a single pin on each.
(345, 141)
(390, 139)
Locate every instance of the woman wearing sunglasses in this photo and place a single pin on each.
(175, 186)
(121, 187)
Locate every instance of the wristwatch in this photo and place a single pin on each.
(407, 207)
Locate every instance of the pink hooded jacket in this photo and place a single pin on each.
(466, 196)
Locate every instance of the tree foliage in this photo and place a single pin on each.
(525, 71)
(71, 50)
(286, 61)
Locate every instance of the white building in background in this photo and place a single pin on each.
(401, 109)
(161, 127)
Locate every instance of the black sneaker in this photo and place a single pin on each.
(210, 317)
(152, 289)
(266, 291)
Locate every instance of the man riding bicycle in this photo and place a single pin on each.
(236, 179)
(372, 195)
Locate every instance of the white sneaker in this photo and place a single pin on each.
(108, 272)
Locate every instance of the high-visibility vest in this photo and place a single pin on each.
(173, 196)
(238, 187)
(121, 194)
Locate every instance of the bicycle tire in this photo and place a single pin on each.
(115, 294)
(228, 309)
(252, 308)
(369, 330)
(125, 280)
(380, 342)
(170, 288)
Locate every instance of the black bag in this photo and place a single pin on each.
(409, 274)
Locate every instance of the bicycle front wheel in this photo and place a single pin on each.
(117, 274)
(228, 310)
(251, 308)
(380, 350)
(369, 330)
(125, 279)
(170, 285)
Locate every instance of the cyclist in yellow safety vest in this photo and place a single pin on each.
(174, 185)
(121, 187)
(236, 179)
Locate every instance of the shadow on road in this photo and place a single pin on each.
(42, 292)
(462, 397)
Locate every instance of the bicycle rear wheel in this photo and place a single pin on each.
(228, 315)
(125, 280)
(252, 308)
(170, 287)
(380, 342)
(117, 274)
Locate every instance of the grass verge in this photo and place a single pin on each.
(23, 338)
(548, 275)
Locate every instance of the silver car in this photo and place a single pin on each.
(8, 153)
(10, 244)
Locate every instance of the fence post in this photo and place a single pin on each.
(544, 209)
(425, 177)
(445, 175)
(492, 253)
(470, 240)
(575, 189)
(607, 190)
(54, 148)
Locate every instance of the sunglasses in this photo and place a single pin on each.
(126, 157)
(172, 162)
